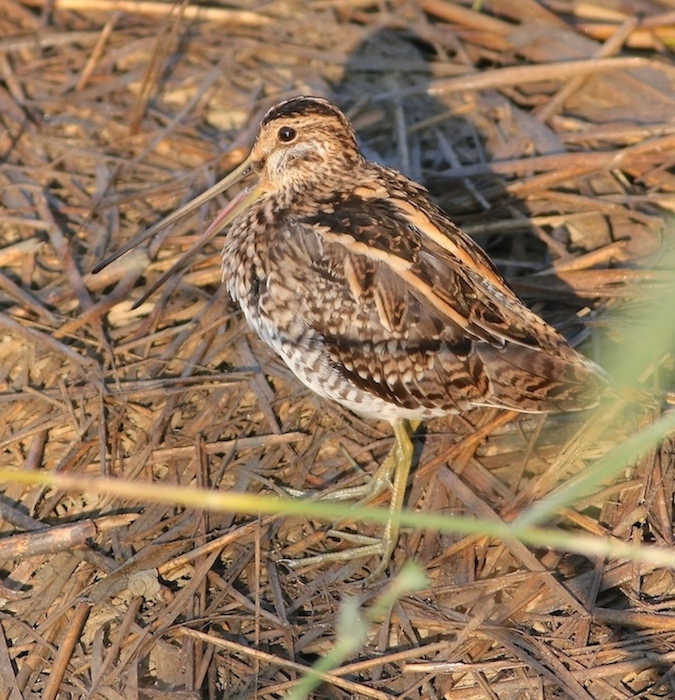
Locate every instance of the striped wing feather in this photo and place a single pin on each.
(425, 317)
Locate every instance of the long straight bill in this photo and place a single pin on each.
(222, 185)
(229, 213)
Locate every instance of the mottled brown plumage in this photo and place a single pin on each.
(374, 298)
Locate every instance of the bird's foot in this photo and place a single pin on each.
(366, 547)
(372, 487)
(396, 465)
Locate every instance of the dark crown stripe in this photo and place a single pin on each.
(301, 107)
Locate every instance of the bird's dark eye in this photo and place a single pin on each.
(287, 134)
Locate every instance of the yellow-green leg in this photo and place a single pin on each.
(397, 464)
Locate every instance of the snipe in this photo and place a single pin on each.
(374, 298)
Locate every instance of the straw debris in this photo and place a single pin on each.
(546, 129)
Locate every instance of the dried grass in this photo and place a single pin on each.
(554, 149)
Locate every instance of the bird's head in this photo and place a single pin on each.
(304, 142)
